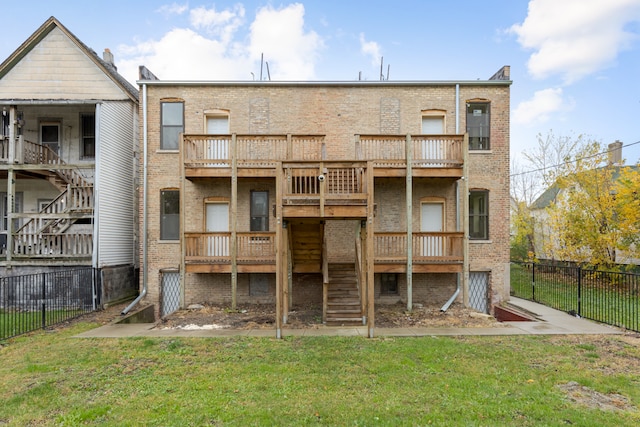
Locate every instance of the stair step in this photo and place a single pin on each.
(344, 312)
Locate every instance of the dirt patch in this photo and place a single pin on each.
(594, 399)
(263, 316)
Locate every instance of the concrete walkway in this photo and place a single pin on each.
(550, 322)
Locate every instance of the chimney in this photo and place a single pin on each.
(107, 56)
(615, 153)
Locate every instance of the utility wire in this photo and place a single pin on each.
(572, 161)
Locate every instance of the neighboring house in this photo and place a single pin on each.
(336, 194)
(545, 241)
(68, 145)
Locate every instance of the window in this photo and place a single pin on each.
(478, 125)
(259, 211)
(479, 215)
(172, 124)
(258, 284)
(388, 284)
(88, 135)
(50, 136)
(170, 215)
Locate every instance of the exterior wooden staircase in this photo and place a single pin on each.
(343, 297)
(306, 246)
(43, 235)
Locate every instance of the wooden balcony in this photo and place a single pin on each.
(53, 246)
(212, 252)
(431, 252)
(256, 252)
(259, 155)
(325, 189)
(430, 155)
(253, 155)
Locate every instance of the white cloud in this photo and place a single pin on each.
(173, 9)
(371, 49)
(279, 34)
(223, 24)
(218, 45)
(541, 107)
(574, 38)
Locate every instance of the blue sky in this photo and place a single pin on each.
(574, 63)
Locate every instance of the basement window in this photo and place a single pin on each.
(388, 284)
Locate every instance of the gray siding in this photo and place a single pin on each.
(115, 191)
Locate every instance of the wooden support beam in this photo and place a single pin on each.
(280, 255)
(409, 219)
(370, 253)
(234, 223)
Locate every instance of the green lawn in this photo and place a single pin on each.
(20, 322)
(51, 378)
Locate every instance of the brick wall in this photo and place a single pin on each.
(338, 112)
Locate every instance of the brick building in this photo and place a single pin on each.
(340, 194)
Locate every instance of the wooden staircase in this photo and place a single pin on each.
(306, 246)
(343, 297)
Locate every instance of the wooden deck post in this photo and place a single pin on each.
(465, 221)
(409, 213)
(234, 222)
(370, 254)
(280, 250)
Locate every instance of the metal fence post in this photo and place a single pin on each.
(580, 291)
(43, 277)
(533, 281)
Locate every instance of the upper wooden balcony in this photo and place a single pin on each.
(259, 155)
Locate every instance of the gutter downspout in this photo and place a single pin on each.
(144, 203)
(447, 304)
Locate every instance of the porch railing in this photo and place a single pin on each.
(428, 151)
(254, 151)
(41, 245)
(215, 247)
(333, 181)
(426, 247)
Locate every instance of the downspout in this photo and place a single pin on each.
(447, 304)
(144, 203)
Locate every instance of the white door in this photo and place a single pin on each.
(217, 221)
(432, 149)
(431, 216)
(218, 148)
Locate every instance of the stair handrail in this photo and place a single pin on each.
(359, 272)
(325, 278)
(35, 153)
(52, 207)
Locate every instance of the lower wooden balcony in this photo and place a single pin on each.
(256, 252)
(213, 252)
(433, 252)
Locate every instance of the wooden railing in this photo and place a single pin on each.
(426, 247)
(428, 151)
(215, 247)
(38, 245)
(333, 181)
(251, 151)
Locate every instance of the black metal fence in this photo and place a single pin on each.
(604, 296)
(36, 301)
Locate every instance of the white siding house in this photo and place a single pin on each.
(68, 146)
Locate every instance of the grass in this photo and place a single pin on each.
(618, 306)
(52, 378)
(13, 323)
